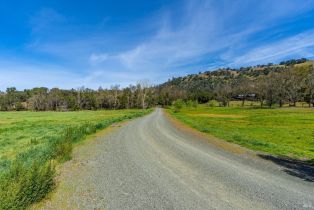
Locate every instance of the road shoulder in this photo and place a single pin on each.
(70, 179)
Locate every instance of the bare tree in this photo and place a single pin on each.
(293, 86)
(79, 97)
(243, 88)
(38, 101)
(143, 86)
(54, 99)
(223, 93)
(115, 92)
(280, 82)
(309, 82)
(260, 86)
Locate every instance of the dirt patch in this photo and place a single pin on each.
(219, 143)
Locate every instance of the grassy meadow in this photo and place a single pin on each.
(284, 132)
(32, 143)
(20, 131)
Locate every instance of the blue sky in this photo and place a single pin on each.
(69, 44)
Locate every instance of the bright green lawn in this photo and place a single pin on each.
(20, 130)
(286, 131)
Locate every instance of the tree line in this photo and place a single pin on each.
(55, 99)
(287, 87)
(269, 84)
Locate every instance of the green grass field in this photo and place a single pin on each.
(32, 143)
(284, 132)
(21, 130)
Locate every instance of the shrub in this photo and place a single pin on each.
(24, 185)
(213, 103)
(195, 104)
(177, 105)
(192, 104)
(189, 103)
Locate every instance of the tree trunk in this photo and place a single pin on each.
(143, 99)
(280, 103)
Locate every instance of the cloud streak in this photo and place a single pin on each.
(207, 28)
(300, 45)
(187, 37)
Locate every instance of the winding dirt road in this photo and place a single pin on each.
(151, 164)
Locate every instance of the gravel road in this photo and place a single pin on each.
(149, 163)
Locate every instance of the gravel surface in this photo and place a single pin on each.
(151, 164)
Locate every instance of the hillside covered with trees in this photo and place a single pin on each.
(287, 82)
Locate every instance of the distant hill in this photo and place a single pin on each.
(202, 86)
(230, 73)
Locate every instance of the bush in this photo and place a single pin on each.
(192, 104)
(24, 185)
(195, 104)
(189, 103)
(177, 105)
(213, 103)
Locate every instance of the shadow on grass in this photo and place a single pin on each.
(298, 168)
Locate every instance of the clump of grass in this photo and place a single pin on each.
(29, 177)
(23, 185)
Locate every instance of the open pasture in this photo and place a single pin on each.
(285, 131)
(21, 130)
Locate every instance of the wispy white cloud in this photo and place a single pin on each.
(98, 58)
(45, 19)
(207, 27)
(295, 46)
(198, 34)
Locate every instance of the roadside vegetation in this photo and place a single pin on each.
(279, 131)
(32, 143)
